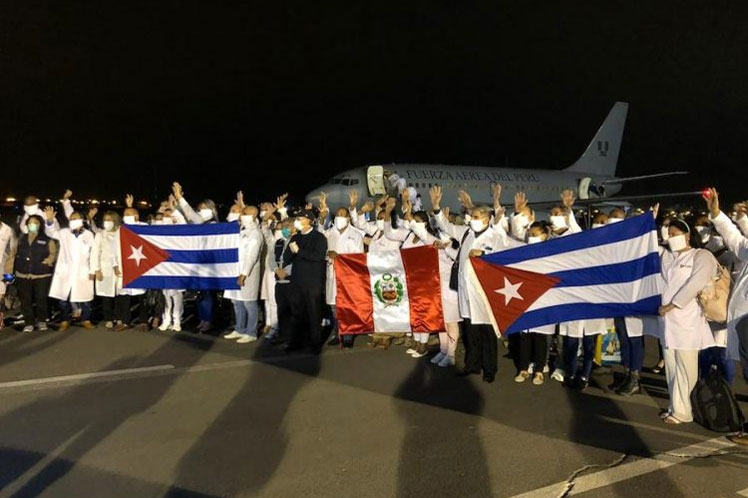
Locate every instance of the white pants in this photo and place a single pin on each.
(682, 373)
(174, 307)
(448, 340)
(271, 311)
(423, 338)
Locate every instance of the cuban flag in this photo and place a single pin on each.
(607, 272)
(197, 257)
(395, 291)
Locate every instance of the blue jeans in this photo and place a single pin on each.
(205, 306)
(716, 356)
(66, 307)
(247, 313)
(632, 348)
(571, 347)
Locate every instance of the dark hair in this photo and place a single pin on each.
(423, 215)
(37, 218)
(544, 225)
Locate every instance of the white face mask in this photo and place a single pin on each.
(703, 233)
(419, 228)
(168, 220)
(76, 224)
(157, 222)
(31, 209)
(477, 225)
(341, 222)
(558, 222)
(677, 243)
(380, 225)
(247, 220)
(614, 220)
(297, 224)
(128, 220)
(664, 233)
(206, 214)
(534, 240)
(232, 217)
(598, 225)
(108, 225)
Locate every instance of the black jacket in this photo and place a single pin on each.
(309, 263)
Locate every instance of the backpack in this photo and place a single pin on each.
(715, 296)
(714, 405)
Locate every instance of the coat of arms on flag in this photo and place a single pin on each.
(199, 257)
(396, 291)
(607, 272)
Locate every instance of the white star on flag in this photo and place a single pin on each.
(137, 254)
(510, 291)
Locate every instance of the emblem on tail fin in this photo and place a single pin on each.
(602, 147)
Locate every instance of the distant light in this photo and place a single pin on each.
(94, 201)
(48, 200)
(10, 199)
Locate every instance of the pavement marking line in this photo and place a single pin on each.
(632, 469)
(640, 425)
(743, 492)
(19, 482)
(84, 376)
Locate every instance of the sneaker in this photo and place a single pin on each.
(164, 326)
(447, 361)
(538, 378)
(234, 335)
(583, 383)
(531, 368)
(42, 326)
(64, 325)
(246, 339)
(109, 324)
(176, 327)
(546, 369)
(522, 376)
(411, 350)
(631, 386)
(86, 324)
(120, 327)
(28, 328)
(558, 375)
(421, 350)
(437, 358)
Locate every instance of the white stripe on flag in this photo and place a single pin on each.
(389, 318)
(194, 243)
(167, 269)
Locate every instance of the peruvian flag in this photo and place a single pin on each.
(398, 291)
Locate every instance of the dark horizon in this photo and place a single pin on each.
(116, 98)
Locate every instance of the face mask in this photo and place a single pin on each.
(232, 217)
(206, 214)
(31, 209)
(128, 220)
(467, 219)
(33, 227)
(286, 232)
(703, 231)
(598, 225)
(534, 240)
(108, 225)
(380, 225)
(168, 220)
(477, 225)
(677, 243)
(341, 222)
(419, 228)
(247, 220)
(664, 233)
(262, 214)
(157, 222)
(558, 222)
(76, 224)
(614, 220)
(297, 224)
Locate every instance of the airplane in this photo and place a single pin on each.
(592, 177)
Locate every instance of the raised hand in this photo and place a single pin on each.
(368, 206)
(172, 202)
(390, 206)
(568, 198)
(496, 189)
(50, 213)
(405, 194)
(445, 211)
(280, 201)
(92, 213)
(407, 209)
(308, 206)
(712, 201)
(742, 209)
(176, 188)
(67, 195)
(655, 209)
(353, 198)
(465, 199)
(322, 201)
(520, 202)
(239, 201)
(129, 199)
(435, 193)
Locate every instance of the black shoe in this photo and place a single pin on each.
(467, 372)
(618, 382)
(333, 342)
(489, 378)
(289, 348)
(570, 381)
(582, 383)
(630, 387)
(347, 344)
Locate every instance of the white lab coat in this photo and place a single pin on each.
(685, 274)
(267, 286)
(71, 279)
(104, 259)
(737, 307)
(6, 245)
(250, 264)
(350, 241)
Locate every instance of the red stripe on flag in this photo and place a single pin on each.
(424, 288)
(353, 303)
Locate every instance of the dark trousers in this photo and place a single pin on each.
(283, 302)
(481, 348)
(533, 348)
(123, 308)
(107, 308)
(66, 309)
(205, 302)
(716, 356)
(306, 303)
(742, 330)
(571, 348)
(33, 292)
(632, 348)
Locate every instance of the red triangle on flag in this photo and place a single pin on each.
(138, 255)
(510, 291)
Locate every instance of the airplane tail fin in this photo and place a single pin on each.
(601, 155)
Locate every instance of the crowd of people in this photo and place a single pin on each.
(286, 274)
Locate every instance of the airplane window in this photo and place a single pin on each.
(354, 181)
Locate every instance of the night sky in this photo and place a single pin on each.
(112, 96)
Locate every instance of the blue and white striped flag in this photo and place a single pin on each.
(606, 272)
(198, 257)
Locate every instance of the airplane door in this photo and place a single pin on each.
(584, 188)
(375, 181)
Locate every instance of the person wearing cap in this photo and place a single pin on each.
(307, 251)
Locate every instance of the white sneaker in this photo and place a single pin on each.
(558, 375)
(176, 327)
(28, 328)
(447, 361)
(233, 335)
(546, 369)
(531, 368)
(245, 339)
(437, 358)
(419, 355)
(42, 326)
(410, 351)
(164, 326)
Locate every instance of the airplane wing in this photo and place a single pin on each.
(617, 201)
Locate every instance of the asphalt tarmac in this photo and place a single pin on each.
(93, 413)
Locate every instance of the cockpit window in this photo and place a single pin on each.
(354, 181)
(336, 181)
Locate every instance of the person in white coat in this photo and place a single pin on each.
(685, 331)
(125, 296)
(7, 243)
(271, 217)
(30, 208)
(171, 318)
(104, 265)
(73, 279)
(245, 299)
(478, 238)
(342, 238)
